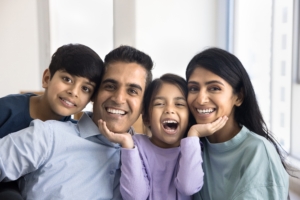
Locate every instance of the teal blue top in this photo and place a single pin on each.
(245, 167)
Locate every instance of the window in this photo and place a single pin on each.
(262, 39)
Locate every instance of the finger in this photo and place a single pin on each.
(220, 123)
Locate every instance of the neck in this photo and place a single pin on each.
(230, 130)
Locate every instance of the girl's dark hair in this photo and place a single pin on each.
(228, 67)
(153, 89)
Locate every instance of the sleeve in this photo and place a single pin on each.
(265, 178)
(267, 192)
(25, 151)
(190, 174)
(134, 183)
(4, 110)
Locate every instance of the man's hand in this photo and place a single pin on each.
(124, 139)
(202, 130)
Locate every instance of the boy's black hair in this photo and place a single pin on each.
(129, 54)
(78, 60)
(153, 89)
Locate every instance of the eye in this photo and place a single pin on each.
(67, 79)
(180, 103)
(109, 87)
(193, 89)
(214, 88)
(86, 89)
(158, 103)
(133, 91)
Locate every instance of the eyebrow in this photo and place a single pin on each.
(91, 83)
(176, 98)
(206, 83)
(134, 85)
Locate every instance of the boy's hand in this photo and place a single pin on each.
(124, 139)
(202, 130)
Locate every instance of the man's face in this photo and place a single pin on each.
(120, 96)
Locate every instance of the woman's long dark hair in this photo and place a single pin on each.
(228, 67)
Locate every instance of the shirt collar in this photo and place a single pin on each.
(88, 128)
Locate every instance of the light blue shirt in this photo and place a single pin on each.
(61, 160)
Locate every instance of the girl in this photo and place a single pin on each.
(164, 166)
(241, 160)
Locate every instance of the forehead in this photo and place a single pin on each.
(201, 74)
(126, 73)
(169, 90)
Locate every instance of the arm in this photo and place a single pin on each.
(134, 183)
(124, 139)
(189, 178)
(24, 151)
(190, 174)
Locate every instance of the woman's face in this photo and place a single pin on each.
(210, 97)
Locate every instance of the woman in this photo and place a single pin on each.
(242, 160)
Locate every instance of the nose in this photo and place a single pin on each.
(202, 98)
(119, 96)
(74, 90)
(169, 109)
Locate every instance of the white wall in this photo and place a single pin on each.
(19, 60)
(172, 32)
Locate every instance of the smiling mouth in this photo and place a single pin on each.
(206, 111)
(115, 111)
(170, 125)
(67, 102)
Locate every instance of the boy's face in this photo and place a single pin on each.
(67, 94)
(120, 96)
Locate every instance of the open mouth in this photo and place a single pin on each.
(206, 111)
(170, 125)
(115, 111)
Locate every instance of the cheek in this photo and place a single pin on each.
(136, 105)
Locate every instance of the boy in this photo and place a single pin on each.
(75, 161)
(70, 81)
(73, 75)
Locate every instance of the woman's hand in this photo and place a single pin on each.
(202, 130)
(124, 139)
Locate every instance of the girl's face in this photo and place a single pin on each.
(211, 97)
(169, 116)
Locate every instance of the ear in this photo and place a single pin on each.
(46, 78)
(240, 98)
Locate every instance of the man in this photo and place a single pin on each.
(62, 160)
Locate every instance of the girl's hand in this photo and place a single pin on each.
(124, 139)
(202, 130)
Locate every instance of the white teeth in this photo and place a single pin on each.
(205, 111)
(68, 102)
(113, 111)
(170, 121)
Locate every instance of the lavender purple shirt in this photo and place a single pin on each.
(150, 172)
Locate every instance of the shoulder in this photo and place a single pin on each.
(257, 143)
(15, 99)
(17, 96)
(140, 138)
